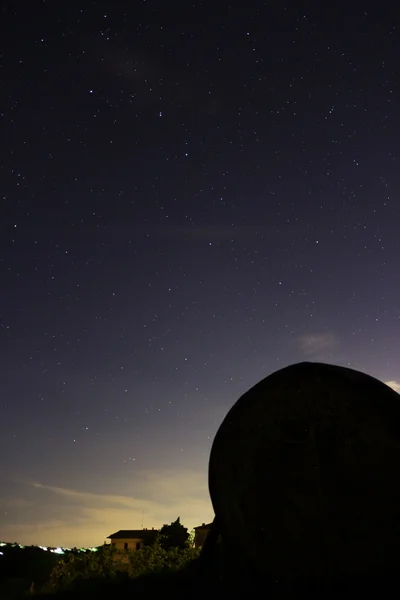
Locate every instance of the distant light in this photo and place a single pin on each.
(1, 553)
(54, 550)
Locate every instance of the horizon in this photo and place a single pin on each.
(46, 547)
(92, 517)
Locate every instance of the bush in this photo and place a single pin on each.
(109, 565)
(156, 559)
(76, 567)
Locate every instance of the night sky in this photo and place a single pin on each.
(193, 195)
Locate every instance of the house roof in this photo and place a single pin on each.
(204, 526)
(128, 534)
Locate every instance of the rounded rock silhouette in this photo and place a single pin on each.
(303, 474)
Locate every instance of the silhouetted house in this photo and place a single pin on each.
(133, 539)
(200, 534)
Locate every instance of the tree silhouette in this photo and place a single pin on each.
(174, 535)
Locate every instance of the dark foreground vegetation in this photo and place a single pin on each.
(80, 573)
(156, 571)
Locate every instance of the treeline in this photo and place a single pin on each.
(24, 568)
(34, 571)
(91, 570)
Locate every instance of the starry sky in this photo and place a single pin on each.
(193, 195)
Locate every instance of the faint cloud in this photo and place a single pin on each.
(318, 346)
(83, 518)
(395, 385)
(6, 503)
(143, 71)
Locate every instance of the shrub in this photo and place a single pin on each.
(77, 567)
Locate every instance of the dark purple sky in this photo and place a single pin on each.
(193, 195)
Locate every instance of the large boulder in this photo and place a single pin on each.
(303, 475)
